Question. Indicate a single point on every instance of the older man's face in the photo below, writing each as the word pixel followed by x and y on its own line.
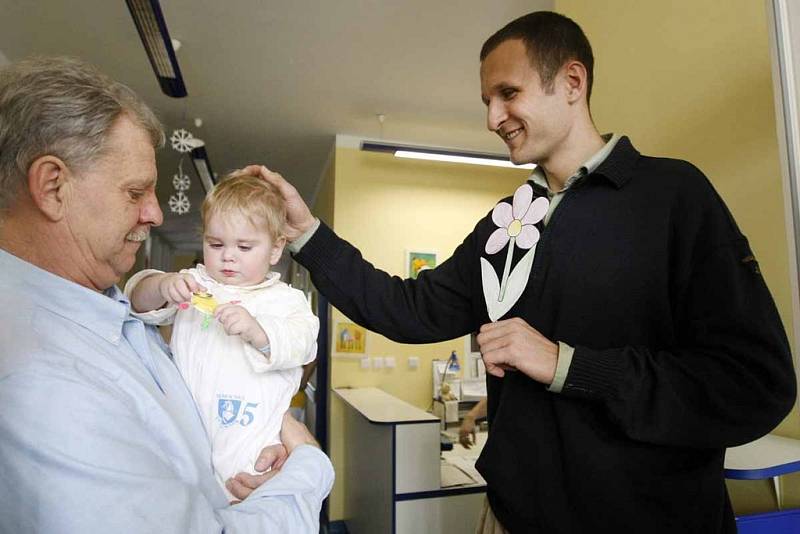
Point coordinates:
pixel 113 205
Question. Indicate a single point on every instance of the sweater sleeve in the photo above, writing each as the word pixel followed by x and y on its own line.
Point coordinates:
pixel 728 379
pixel 292 335
pixel 433 307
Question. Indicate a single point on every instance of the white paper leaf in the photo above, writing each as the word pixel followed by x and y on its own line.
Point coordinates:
pixel 491 287
pixel 517 281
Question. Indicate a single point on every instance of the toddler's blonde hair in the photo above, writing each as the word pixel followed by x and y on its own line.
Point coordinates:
pixel 254 198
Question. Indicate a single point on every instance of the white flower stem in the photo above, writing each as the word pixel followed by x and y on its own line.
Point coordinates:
pixel 507 269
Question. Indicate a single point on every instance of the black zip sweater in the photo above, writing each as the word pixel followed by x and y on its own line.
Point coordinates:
pixel 679 350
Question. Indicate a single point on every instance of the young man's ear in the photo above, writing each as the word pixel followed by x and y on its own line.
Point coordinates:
pixel 47 183
pixel 277 250
pixel 577 80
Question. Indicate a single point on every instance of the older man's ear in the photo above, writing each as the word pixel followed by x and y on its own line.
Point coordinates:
pixel 47 185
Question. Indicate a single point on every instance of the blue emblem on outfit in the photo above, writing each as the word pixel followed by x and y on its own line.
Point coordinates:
pixel 228 411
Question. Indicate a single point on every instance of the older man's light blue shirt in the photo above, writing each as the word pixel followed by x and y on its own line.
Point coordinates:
pixel 98 432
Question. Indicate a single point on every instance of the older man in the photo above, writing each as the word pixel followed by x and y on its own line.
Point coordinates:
pixel 98 431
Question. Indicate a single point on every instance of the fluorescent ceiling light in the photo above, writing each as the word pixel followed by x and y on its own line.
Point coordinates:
pixel 444 154
pixel 471 160
pixel 153 31
pixel 203 168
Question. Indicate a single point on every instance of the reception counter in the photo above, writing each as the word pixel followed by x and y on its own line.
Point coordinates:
pixel 394 470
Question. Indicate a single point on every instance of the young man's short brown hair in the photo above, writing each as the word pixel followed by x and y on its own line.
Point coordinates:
pixel 551 40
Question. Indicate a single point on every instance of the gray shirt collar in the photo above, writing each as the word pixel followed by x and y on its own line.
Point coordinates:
pixel 589 166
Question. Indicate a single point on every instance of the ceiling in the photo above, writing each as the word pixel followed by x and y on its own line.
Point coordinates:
pixel 274 82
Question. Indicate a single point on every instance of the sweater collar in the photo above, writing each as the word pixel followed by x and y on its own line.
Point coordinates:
pixel 615 162
pixel 539 179
pixel 618 167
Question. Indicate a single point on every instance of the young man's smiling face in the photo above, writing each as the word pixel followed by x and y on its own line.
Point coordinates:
pixel 532 121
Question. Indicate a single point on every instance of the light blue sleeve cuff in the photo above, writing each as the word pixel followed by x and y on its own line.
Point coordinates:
pixel 295 246
pixel 565 353
pixel 307 477
pixel 288 503
pixel 266 350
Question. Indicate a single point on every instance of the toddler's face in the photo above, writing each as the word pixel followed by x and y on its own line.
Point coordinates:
pixel 237 252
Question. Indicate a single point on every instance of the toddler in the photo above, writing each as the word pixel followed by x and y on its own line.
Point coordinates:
pixel 240 335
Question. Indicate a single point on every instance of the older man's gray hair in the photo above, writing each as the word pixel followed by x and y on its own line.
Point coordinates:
pixel 61 107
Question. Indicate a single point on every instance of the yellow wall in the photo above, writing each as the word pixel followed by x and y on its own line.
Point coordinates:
pixel 691 79
pixel 384 205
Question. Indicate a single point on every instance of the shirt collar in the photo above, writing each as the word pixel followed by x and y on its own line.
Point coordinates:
pixel 271 279
pixel 589 166
pixel 101 313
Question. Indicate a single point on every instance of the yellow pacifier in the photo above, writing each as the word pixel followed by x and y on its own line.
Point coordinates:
pixel 206 304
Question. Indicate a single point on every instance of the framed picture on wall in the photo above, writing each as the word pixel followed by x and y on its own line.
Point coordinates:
pixel 418 261
pixel 350 338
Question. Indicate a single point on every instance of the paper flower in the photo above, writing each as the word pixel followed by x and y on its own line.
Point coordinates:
pixel 517 222
pixel 516 226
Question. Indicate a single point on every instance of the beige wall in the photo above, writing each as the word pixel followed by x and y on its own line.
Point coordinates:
pixel 325 195
pixel 184 261
pixel 384 205
pixel 691 79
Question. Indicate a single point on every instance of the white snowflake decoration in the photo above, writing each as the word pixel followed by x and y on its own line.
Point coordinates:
pixel 182 141
pixel 179 203
pixel 181 182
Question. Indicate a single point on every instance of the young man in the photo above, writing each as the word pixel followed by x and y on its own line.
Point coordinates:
pixel 99 432
pixel 627 349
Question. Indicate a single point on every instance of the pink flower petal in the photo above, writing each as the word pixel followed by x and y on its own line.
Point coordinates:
pixel 497 240
pixel 501 214
pixel 537 211
pixel 527 237
pixel 522 200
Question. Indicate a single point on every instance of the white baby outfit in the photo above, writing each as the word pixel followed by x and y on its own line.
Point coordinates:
pixel 241 393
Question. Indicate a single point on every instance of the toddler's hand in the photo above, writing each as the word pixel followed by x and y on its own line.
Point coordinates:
pixel 237 321
pixel 177 288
